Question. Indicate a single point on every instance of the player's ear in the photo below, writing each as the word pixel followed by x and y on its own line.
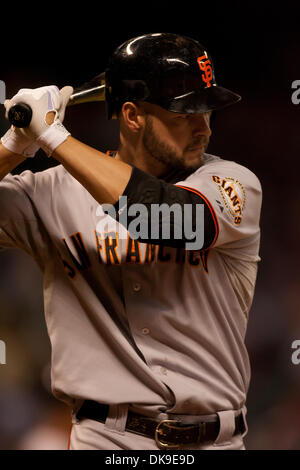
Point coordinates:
pixel 133 116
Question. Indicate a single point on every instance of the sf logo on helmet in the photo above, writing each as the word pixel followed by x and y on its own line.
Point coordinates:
pixel 205 65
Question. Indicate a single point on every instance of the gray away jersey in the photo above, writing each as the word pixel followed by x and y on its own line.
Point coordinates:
pixel 156 327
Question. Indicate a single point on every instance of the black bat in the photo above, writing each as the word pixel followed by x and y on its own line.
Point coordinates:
pixel 20 114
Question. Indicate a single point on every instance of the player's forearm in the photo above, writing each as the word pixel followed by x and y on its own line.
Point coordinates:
pixel 8 161
pixel 103 177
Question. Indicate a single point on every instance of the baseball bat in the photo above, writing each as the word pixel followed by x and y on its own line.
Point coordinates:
pixel 20 114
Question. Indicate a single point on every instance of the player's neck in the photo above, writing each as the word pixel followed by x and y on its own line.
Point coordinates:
pixel 138 157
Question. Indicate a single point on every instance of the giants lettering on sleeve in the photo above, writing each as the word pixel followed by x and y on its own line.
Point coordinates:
pixel 233 197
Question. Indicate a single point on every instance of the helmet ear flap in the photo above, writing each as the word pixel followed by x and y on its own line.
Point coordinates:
pixel 125 90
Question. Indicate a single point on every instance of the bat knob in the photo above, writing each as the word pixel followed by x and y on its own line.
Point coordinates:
pixel 20 115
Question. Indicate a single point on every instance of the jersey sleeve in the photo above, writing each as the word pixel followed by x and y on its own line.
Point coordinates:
pixel 234 194
pixel 20 226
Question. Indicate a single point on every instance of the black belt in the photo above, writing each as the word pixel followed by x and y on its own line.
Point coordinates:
pixel 167 433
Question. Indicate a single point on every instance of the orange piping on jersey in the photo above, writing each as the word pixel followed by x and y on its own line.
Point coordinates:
pixel 69 443
pixel 110 153
pixel 204 258
pixel 212 211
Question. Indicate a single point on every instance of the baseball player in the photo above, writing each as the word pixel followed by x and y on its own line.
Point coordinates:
pixel 147 327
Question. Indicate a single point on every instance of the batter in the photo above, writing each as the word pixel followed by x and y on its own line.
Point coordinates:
pixel 147 336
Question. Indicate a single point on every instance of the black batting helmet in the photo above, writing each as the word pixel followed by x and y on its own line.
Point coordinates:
pixel 172 71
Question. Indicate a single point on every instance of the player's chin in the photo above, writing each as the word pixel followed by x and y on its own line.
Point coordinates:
pixel 194 157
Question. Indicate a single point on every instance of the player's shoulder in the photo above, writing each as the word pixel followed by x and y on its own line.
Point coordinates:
pixel 226 169
pixel 54 174
pixel 45 181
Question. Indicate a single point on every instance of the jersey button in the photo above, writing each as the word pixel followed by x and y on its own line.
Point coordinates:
pixel 137 287
pixel 145 331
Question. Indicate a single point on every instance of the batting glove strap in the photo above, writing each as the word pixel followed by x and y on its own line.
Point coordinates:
pixel 55 135
pixel 16 142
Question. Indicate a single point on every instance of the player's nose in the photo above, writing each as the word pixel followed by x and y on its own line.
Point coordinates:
pixel 201 124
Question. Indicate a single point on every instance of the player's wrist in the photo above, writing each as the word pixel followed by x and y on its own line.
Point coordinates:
pixel 52 137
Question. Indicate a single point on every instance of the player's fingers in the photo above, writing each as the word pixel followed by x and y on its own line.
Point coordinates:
pixel 6 106
pixel 65 93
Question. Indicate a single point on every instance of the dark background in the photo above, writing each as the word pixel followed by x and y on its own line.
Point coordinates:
pixel 256 50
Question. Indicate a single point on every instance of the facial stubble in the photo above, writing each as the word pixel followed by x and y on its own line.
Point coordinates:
pixel 168 155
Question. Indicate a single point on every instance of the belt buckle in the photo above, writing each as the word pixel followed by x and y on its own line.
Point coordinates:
pixel 159 431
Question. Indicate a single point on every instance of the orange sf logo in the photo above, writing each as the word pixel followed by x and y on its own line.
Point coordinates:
pixel 205 65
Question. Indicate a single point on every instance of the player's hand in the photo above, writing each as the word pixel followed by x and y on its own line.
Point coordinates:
pixel 65 94
pixel 16 141
pixel 42 101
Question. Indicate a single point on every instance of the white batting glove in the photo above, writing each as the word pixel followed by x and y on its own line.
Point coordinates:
pixel 15 141
pixel 41 100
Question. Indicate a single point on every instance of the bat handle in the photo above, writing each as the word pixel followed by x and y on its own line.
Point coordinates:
pixel 20 115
